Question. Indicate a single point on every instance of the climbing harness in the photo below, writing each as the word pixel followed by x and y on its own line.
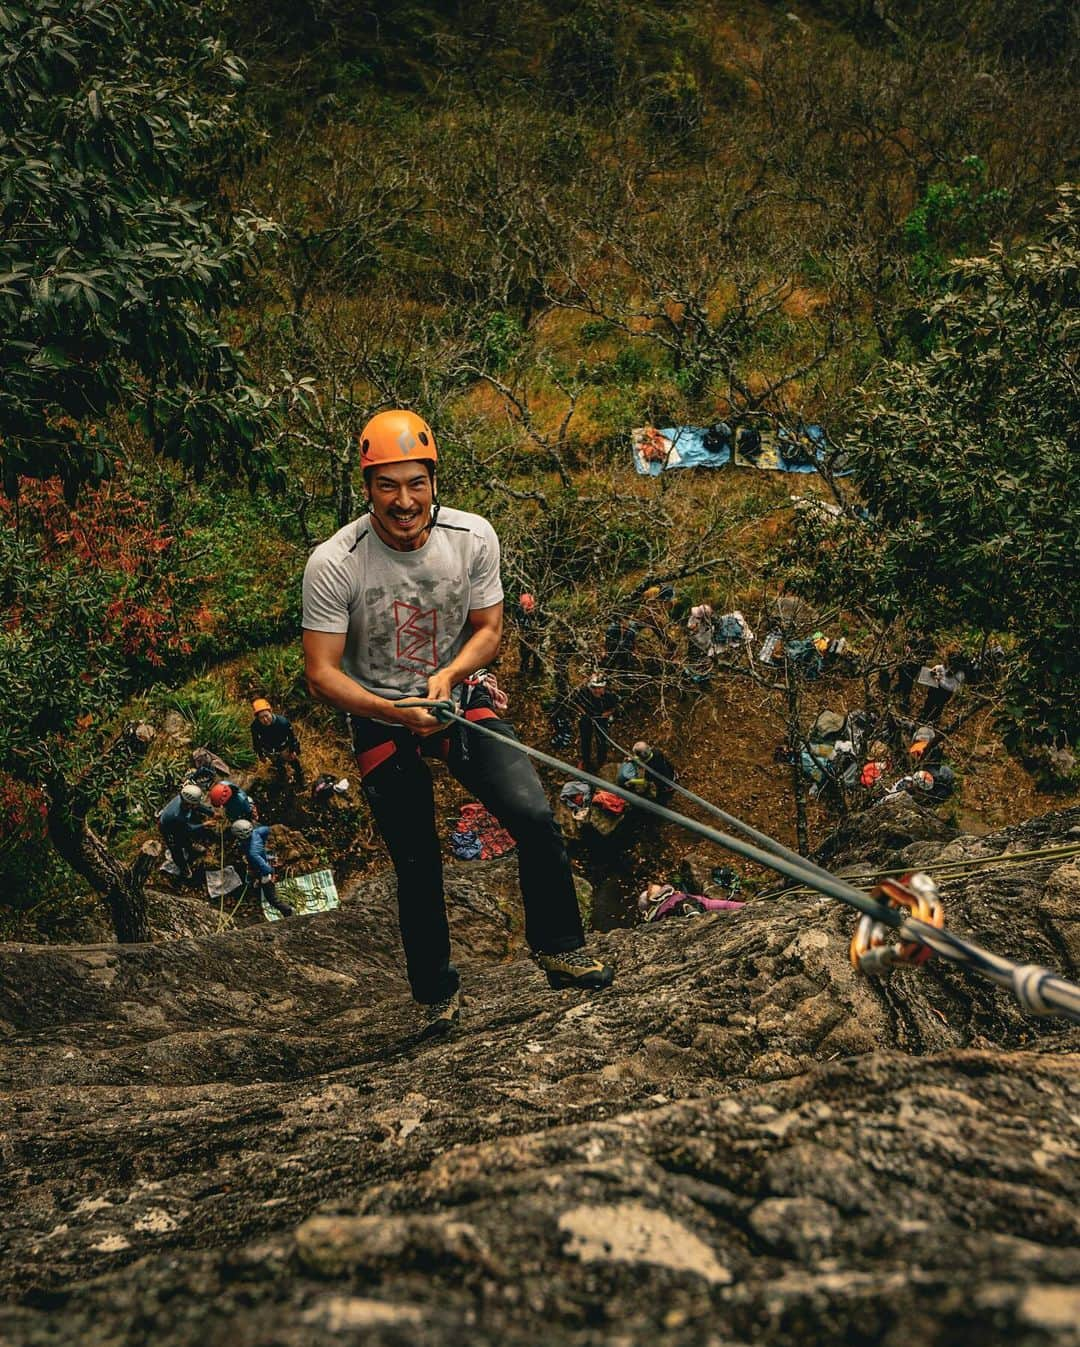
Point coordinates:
pixel 1039 991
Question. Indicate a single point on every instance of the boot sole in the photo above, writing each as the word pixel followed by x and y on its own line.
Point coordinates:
pixel 441 1028
pixel 590 982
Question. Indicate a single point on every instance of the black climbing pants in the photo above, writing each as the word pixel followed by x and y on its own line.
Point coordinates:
pixel 593 743
pixel 397 785
pixel 287 760
pixel 181 843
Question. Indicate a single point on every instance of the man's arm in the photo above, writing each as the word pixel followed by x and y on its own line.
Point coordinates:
pixel 327 682
pixel 480 649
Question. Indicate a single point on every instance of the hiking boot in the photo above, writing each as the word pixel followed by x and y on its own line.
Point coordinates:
pixel 444 1015
pixel 575 968
pixel 286 909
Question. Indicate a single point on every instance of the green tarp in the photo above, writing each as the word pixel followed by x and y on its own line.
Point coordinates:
pixel 305 894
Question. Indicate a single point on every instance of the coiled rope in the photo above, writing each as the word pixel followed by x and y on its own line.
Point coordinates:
pixel 1039 991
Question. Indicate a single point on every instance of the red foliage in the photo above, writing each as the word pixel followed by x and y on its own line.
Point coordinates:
pixel 23 811
pixel 113 535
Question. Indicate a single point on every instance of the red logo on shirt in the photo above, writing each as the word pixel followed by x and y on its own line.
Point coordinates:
pixel 416 632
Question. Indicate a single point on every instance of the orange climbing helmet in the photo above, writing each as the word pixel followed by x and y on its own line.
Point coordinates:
pixel 396 437
pixel 261 704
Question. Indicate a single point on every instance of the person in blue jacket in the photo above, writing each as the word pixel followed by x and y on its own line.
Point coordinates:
pixel 236 803
pixel 255 842
pixel 183 826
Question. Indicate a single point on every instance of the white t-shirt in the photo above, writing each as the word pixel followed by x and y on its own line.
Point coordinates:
pixel 405 613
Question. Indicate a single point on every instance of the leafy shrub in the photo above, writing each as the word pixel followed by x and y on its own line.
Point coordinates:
pixel 276 672
pixel 583 64
pixel 672 104
pixel 502 338
pixel 630 365
pixel 100 575
pixel 109 113
pixel 594 330
pixel 967 460
pixel 951 219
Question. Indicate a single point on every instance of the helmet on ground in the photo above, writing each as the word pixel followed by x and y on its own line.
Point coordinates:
pixel 242 828
pixel 260 704
pixel 191 793
pixel 396 437
pixel 220 794
pixel 598 682
pixel 528 603
pixel 924 780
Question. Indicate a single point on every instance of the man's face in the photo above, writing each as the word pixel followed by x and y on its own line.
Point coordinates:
pixel 265 717
pixel 401 496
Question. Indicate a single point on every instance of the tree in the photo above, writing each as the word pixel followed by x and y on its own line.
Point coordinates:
pixel 969 461
pixel 110 273
pixel 92 603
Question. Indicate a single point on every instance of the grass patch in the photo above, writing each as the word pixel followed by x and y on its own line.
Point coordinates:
pixel 217 722
pixel 276 672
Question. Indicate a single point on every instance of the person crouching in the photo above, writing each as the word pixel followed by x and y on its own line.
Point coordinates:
pixel 255 843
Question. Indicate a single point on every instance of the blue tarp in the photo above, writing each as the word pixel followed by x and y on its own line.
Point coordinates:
pixel 684 447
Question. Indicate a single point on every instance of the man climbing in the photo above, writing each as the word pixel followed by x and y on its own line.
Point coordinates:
pixel 255 846
pixel 234 802
pixel 274 740
pixel 407 602
pixel 183 826
pixel 596 706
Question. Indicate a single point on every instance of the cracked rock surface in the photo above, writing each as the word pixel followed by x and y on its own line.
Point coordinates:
pixel 243 1139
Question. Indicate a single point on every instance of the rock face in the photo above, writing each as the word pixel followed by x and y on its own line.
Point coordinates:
pixel 243 1138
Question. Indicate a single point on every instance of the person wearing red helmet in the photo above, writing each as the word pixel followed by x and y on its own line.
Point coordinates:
pixel 234 802
pixel 407 602
pixel 528 624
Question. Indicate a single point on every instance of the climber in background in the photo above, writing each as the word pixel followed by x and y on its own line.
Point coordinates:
pixel 596 706
pixel 232 801
pixel 254 842
pixel 183 826
pixel 274 740
pixel 641 773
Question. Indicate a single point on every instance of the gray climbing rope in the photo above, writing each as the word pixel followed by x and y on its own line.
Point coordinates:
pixel 1039 991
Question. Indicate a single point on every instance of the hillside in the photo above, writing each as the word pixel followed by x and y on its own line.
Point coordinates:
pixel 752 331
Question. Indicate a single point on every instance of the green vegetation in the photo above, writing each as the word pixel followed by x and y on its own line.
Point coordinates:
pixel 539 225
pixel 970 465
pixel 214 718
pixel 110 267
